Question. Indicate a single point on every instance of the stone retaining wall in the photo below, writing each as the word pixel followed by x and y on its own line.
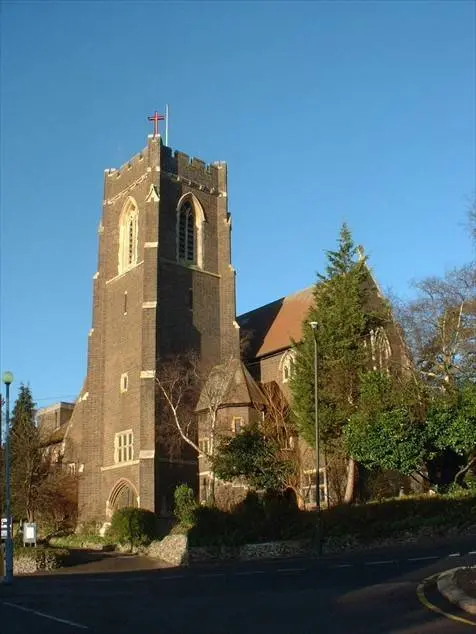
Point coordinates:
pixel 174 550
pixel 23 565
pixel 274 550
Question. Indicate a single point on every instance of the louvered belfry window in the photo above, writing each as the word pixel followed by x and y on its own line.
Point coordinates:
pixel 131 242
pixel 186 239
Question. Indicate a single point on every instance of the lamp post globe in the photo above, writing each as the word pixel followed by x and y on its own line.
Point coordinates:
pixel 7 377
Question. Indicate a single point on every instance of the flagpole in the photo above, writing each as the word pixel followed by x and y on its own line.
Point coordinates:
pixel 167 124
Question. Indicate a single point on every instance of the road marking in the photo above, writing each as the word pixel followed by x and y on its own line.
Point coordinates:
pixel 341 566
pixel 434 608
pixel 422 558
pixel 173 577
pixel 472 552
pixel 291 569
pixel 213 574
pixel 250 572
pixel 46 616
pixel 455 555
pixel 381 563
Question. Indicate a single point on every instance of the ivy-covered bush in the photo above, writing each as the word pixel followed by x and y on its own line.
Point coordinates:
pixel 132 526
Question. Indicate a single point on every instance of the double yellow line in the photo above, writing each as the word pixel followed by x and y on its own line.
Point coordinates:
pixel 434 608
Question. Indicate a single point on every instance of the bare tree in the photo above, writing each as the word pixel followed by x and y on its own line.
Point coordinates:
pixel 472 221
pixel 278 425
pixel 440 325
pixel 178 382
pixel 193 394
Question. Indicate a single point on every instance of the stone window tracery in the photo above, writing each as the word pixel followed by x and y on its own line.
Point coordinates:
pixel 128 236
pixel 190 223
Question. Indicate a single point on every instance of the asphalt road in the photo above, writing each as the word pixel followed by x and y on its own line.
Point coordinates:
pixel 372 593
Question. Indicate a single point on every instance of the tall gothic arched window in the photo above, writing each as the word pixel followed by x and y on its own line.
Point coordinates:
pixel 190 230
pixel 380 349
pixel 186 233
pixel 286 365
pixel 128 234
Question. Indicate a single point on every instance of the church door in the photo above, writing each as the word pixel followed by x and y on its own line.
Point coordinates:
pixel 123 495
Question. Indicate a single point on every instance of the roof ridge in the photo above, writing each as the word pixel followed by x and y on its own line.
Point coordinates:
pixel 279 299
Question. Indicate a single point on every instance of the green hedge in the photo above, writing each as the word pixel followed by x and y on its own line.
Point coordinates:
pixel 403 515
pixel 133 526
pixel 272 517
pixel 257 520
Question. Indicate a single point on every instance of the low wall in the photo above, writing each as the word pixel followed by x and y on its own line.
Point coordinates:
pixel 29 560
pixel 174 549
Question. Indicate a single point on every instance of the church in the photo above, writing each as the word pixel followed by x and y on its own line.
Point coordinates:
pixel 164 286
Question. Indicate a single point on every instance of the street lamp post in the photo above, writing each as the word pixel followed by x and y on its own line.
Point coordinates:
pixel 313 325
pixel 8 380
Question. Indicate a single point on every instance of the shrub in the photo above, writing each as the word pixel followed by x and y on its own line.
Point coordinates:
pixel 185 505
pixel 212 527
pixel 274 516
pixel 133 526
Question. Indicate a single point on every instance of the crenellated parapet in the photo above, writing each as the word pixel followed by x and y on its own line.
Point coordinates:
pixel 209 177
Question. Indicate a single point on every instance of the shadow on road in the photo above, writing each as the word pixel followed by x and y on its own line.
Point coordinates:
pixel 120 593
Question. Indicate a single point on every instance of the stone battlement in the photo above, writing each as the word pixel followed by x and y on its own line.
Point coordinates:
pixel 211 175
pixel 125 167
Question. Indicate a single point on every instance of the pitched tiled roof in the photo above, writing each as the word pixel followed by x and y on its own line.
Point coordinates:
pixel 274 326
pixel 232 384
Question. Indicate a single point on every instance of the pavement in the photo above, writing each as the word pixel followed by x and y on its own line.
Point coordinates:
pixel 390 590
pixel 448 586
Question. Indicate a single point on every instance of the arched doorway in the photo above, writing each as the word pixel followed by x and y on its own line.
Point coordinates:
pixel 122 495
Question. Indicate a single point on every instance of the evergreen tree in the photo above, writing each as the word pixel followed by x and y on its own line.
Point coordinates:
pixel 27 469
pixel 24 409
pixel 346 312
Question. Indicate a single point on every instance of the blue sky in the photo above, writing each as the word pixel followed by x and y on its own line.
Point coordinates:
pixel 324 111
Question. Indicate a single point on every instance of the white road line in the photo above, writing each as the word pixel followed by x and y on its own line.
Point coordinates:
pixel 291 569
pixel 250 572
pixel 455 555
pixel 342 566
pixel 380 563
pixel 472 552
pixel 46 616
pixel 422 558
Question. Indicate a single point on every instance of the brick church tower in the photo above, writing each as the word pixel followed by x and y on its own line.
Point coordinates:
pixel 164 285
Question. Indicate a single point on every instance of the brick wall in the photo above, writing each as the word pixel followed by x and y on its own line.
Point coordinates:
pixel 54 417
